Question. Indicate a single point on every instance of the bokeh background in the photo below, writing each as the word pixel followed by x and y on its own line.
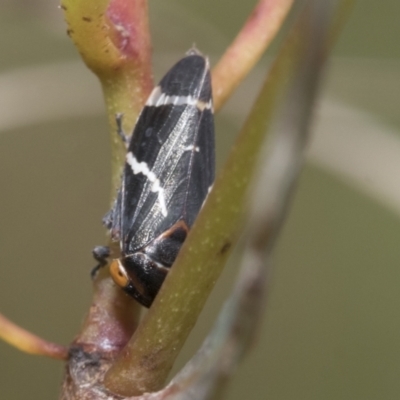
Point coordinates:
pixel 331 326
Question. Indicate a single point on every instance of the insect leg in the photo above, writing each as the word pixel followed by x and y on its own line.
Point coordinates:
pixel 112 220
pixel 100 254
pixel 125 138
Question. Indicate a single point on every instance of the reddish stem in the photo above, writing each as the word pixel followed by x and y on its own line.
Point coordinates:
pixel 247 48
pixel 28 342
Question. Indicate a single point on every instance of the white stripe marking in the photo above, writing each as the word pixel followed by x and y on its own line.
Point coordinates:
pixel 191 148
pixel 157 98
pixel 154 95
pixel 142 168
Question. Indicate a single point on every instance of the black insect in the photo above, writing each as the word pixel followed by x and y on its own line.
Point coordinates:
pixel 168 173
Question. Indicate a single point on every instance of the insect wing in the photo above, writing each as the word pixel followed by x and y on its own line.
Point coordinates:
pixel 170 160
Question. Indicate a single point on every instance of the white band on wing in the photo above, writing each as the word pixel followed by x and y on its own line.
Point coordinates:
pixel 143 168
pixel 157 99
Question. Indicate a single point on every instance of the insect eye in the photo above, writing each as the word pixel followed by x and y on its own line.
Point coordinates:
pixel 119 274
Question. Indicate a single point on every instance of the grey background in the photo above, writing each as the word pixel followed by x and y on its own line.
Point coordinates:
pixel 331 327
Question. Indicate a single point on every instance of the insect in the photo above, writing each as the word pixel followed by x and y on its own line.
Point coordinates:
pixel 169 170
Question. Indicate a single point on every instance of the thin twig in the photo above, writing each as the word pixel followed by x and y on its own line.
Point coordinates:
pixel 247 48
pixel 29 342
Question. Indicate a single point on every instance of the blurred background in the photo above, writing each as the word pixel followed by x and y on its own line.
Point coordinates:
pixel 331 326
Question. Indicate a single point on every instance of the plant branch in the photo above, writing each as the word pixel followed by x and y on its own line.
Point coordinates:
pixel 280 162
pixel 28 342
pixel 113 39
pixel 124 70
pixel 247 48
pixel 112 318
